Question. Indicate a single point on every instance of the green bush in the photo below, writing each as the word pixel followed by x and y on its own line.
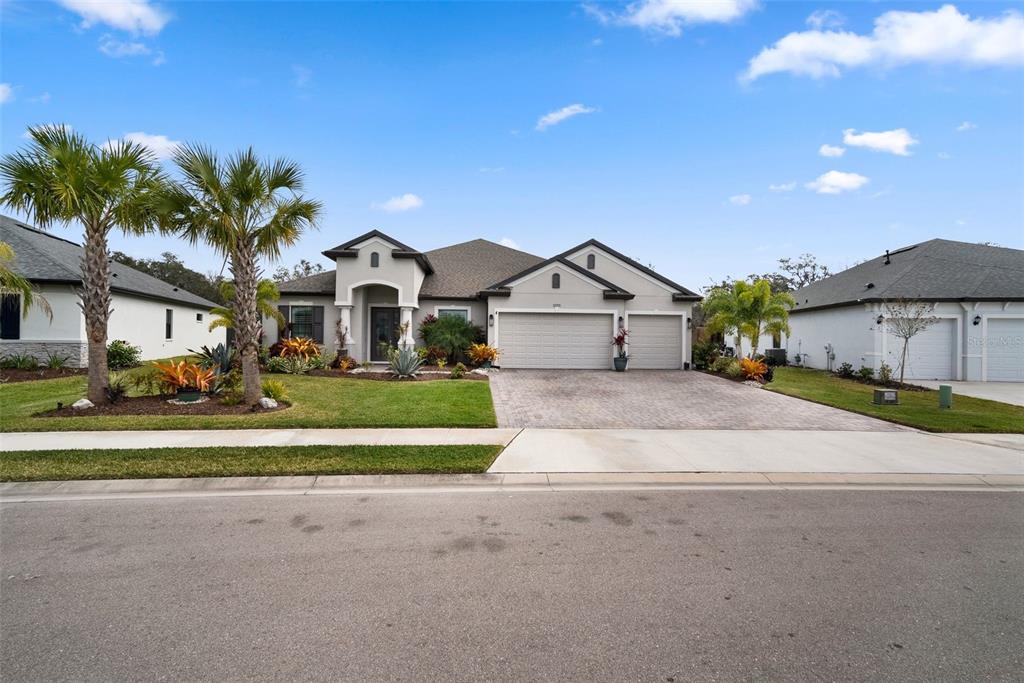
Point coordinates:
pixel 704 354
pixel 274 388
pixel 55 361
pixel 734 369
pixel 845 370
pixel 866 374
pixel 117 387
pixel 884 373
pixel 458 371
pixel 722 363
pixel 19 361
pixel 451 335
pixel 121 355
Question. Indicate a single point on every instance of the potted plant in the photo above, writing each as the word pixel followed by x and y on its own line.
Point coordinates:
pixel 619 342
pixel 483 355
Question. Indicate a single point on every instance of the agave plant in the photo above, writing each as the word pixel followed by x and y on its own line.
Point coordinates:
pixel 404 362
pixel 220 358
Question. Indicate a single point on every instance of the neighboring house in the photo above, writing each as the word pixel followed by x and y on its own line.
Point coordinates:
pixel 559 312
pixel 160 318
pixel 978 296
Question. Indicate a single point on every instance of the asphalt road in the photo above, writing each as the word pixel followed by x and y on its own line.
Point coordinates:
pixel 607 586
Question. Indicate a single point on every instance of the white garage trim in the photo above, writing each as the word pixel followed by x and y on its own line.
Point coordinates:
pixel 613 314
pixel 682 328
pixel 984 338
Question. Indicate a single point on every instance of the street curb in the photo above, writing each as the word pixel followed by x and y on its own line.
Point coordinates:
pixel 53 491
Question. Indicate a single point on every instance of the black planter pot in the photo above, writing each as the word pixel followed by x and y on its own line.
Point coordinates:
pixel 620 363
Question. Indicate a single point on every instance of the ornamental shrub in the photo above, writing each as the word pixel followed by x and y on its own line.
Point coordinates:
pixel 121 355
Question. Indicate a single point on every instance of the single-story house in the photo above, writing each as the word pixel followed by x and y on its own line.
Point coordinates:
pixel 977 294
pixel 559 312
pixel 161 319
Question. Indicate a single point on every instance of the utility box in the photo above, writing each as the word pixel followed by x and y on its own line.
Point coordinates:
pixel 945 395
pixel 886 397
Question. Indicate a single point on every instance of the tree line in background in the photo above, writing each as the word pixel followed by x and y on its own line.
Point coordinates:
pixel 244 208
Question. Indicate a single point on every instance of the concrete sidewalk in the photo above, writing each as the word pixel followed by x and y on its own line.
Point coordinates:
pixel 196 438
pixel 626 450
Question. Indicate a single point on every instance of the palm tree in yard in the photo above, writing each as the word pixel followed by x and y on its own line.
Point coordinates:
pixel 764 312
pixel 62 178
pixel 724 311
pixel 12 283
pixel 247 209
pixel 266 294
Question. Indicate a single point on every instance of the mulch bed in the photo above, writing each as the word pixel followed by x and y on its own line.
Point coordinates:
pixel 157 405
pixel 11 376
pixel 388 377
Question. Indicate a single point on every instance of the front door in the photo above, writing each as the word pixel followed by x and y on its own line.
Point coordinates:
pixel 383 330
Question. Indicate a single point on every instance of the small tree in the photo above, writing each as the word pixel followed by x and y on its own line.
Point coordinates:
pixel 905 319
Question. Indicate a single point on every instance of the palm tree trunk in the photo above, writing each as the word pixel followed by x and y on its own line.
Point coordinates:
pixel 95 297
pixel 247 325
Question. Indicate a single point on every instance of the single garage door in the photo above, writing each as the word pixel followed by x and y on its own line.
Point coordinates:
pixel 931 354
pixel 1004 350
pixel 555 340
pixel 656 342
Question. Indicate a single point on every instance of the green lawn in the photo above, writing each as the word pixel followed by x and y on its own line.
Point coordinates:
pixel 151 463
pixel 317 402
pixel 918 409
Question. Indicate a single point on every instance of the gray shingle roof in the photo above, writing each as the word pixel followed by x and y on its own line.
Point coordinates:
pixel 321 283
pixel 42 257
pixel 936 270
pixel 462 270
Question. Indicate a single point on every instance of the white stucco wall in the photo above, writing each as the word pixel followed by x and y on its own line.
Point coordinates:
pixel 141 322
pixel 859 340
pixel 61 335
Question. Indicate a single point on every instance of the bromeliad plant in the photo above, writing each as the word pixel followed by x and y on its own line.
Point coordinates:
pixel 183 376
pixel 301 347
pixel 753 369
pixel 482 354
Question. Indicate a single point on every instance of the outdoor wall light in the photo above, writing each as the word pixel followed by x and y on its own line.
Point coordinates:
pixel 689 323
pixel 622 323
pixel 490 320
pixel 977 320
pixel 880 319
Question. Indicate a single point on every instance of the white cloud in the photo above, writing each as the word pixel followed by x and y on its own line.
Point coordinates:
pixel 301 75
pixel 783 187
pixel 6 93
pixel 669 16
pixel 966 126
pixel 557 116
pixel 112 47
pixel 825 18
pixel 831 151
pixel 892 141
pixel 135 16
pixel 508 242
pixel 943 36
pixel 740 199
pixel 160 145
pixel 405 202
pixel 835 182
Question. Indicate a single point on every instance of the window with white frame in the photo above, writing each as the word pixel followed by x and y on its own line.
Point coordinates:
pixel 460 313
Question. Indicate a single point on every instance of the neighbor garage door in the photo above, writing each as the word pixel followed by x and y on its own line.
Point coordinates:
pixel 655 342
pixel 555 340
pixel 931 354
pixel 1004 350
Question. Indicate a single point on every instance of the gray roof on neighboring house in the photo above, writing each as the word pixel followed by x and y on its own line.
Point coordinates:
pixel 936 270
pixel 45 258
pixel 460 271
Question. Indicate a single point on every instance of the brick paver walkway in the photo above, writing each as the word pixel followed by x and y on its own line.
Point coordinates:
pixel 656 399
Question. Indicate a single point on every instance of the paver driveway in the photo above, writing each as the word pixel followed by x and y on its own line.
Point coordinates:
pixel 656 399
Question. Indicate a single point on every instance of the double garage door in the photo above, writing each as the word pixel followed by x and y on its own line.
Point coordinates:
pixel 583 340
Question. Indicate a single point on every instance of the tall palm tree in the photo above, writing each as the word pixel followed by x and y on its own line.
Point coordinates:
pixel 763 311
pixel 246 209
pixel 60 178
pixel 12 283
pixel 724 311
pixel 266 294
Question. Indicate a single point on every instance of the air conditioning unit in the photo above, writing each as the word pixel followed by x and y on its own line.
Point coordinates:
pixel 775 356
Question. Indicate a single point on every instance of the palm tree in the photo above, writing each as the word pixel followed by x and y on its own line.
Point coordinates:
pixel 246 209
pixel 12 283
pixel 266 294
pixel 763 311
pixel 724 311
pixel 62 178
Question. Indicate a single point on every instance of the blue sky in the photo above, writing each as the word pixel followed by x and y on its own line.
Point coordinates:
pixel 672 136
